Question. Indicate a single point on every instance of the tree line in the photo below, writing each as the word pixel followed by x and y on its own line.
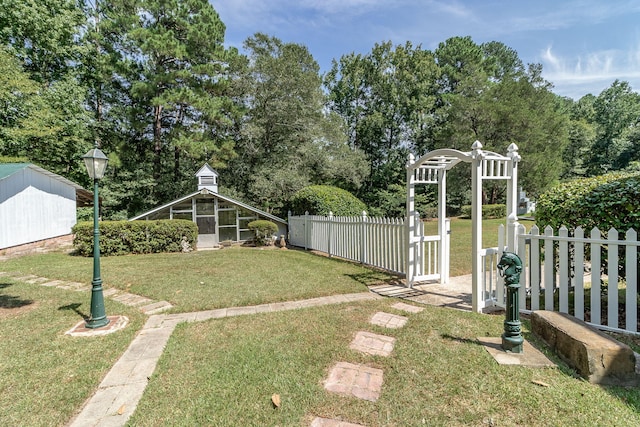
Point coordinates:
pixel 151 82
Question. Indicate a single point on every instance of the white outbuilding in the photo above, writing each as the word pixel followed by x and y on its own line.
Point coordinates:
pixel 36 204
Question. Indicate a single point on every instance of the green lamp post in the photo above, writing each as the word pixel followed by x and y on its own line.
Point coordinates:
pixel 96 163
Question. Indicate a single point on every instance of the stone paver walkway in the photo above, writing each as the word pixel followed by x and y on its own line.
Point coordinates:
pixel 121 389
pixel 146 305
pixel 119 393
pixel 360 380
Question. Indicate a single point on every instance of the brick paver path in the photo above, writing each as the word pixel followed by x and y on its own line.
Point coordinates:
pixel 388 320
pixel 146 305
pixel 360 381
pixel 407 307
pixel 370 343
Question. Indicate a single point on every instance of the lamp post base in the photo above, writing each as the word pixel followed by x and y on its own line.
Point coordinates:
pixel 97 323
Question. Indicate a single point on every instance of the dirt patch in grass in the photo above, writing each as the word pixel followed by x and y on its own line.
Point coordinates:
pixel 15 311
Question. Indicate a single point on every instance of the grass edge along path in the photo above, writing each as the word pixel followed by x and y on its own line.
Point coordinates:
pixel 223 372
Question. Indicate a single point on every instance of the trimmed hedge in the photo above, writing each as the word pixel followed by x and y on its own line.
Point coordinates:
pixel 488 211
pixel 135 237
pixel 605 201
pixel 262 231
pixel 322 199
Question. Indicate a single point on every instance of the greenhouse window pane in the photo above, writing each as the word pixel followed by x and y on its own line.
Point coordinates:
pixel 228 233
pixel 227 217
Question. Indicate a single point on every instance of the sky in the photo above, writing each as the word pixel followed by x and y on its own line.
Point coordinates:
pixel 583 45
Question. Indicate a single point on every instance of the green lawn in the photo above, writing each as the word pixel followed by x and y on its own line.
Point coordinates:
pixel 461 236
pixel 45 375
pixel 223 372
pixel 211 279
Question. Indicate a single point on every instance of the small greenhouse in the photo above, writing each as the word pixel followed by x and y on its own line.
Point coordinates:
pixel 219 218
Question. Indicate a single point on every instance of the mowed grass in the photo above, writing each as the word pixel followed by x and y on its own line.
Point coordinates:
pixel 461 238
pixel 205 280
pixel 224 372
pixel 45 375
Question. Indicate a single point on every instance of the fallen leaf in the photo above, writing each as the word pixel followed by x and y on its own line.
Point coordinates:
pixel 275 399
pixel 121 410
pixel 540 383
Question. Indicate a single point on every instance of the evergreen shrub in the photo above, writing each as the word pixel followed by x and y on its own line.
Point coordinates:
pixel 263 230
pixel 135 237
pixel 488 211
pixel 322 199
pixel 605 201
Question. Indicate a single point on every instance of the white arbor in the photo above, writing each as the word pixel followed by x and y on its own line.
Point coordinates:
pixel 432 169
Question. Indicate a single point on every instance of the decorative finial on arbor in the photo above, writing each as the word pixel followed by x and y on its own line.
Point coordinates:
pixel 512 152
pixel 476 150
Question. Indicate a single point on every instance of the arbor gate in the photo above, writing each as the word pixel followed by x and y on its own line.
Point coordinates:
pixel 432 169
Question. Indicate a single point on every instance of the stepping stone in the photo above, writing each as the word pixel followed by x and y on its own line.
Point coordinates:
pixel 360 381
pixel 25 278
pixel 156 307
pixel 52 283
pixel 387 320
pixel 328 422
pixel 37 280
pixel 407 307
pixel 74 286
pixel 131 299
pixel 370 343
pixel 109 292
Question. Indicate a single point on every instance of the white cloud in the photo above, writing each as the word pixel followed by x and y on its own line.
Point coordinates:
pixel 593 71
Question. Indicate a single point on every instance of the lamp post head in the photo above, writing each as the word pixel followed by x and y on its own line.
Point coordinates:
pixel 96 163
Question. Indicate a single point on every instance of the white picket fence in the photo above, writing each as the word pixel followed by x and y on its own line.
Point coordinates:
pixel 379 242
pixel 562 273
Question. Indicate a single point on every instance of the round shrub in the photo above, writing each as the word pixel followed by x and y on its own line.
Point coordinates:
pixel 262 231
pixel 322 199
pixel 605 201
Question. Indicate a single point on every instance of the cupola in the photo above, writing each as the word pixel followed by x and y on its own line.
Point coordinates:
pixel 207 178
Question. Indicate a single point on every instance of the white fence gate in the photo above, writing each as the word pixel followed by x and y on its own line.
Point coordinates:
pixel 562 272
pixel 378 242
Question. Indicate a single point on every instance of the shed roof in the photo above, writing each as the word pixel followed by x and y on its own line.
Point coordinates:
pixel 8 169
pixel 204 191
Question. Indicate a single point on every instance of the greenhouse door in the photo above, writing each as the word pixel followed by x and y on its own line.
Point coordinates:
pixel 206 221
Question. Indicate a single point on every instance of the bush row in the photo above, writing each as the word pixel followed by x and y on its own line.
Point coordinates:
pixel 488 211
pixel 135 237
pixel 605 201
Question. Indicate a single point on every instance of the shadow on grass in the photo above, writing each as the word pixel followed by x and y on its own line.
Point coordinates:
pixel 373 278
pixel 461 340
pixel 75 307
pixel 11 301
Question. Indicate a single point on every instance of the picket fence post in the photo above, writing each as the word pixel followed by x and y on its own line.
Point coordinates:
pixel 612 270
pixel 631 304
pixel 595 277
pixel 363 239
pixel 307 232
pixel 578 271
